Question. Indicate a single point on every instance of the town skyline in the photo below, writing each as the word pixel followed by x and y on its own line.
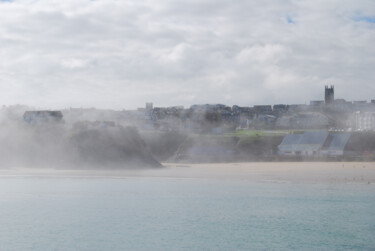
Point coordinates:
pixel 314 102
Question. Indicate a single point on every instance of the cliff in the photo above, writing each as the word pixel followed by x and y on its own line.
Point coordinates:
pixel 55 146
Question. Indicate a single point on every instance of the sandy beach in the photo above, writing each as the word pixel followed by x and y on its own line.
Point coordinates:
pixel 300 172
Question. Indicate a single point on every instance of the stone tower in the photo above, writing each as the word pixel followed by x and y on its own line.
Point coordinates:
pixel 329 94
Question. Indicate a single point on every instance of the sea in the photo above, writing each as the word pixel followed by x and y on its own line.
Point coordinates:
pixel 156 213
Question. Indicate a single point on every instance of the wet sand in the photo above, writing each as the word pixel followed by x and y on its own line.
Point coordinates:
pixel 300 172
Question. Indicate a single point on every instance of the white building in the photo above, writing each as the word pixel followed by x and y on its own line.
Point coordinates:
pixel 364 121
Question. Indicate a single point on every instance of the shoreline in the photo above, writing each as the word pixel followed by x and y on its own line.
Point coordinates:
pixel 294 172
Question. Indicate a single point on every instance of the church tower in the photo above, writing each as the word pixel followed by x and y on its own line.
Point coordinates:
pixel 329 94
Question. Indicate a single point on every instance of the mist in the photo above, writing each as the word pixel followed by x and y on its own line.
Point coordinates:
pixel 77 138
pixel 82 145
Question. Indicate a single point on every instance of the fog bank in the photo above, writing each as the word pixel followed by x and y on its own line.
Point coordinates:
pixel 84 145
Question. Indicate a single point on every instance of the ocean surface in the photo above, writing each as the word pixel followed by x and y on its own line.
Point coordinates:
pixel 47 213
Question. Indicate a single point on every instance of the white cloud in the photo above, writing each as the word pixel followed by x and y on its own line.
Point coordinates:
pixel 73 63
pixel 120 54
pixel 267 54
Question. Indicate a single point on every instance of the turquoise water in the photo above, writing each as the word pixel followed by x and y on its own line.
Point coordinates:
pixel 183 214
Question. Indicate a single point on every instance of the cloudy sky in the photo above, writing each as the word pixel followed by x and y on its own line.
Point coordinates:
pixel 120 54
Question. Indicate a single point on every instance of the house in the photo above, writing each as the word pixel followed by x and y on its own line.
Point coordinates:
pixel 305 144
pixel 280 109
pixel 364 121
pixel 288 145
pixel 314 143
pixel 262 109
pixel 335 144
pixel 303 120
pixel 43 117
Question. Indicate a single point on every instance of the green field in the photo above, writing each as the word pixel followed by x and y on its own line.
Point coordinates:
pixel 257 133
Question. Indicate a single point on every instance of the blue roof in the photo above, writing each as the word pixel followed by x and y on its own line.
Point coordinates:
pixel 308 141
pixel 337 141
pixel 314 141
pixel 314 138
pixel 307 138
pixel 291 139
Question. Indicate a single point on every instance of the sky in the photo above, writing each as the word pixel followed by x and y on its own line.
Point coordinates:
pixel 119 54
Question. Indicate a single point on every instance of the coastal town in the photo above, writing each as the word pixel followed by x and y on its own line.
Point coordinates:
pixel 329 129
pixel 330 113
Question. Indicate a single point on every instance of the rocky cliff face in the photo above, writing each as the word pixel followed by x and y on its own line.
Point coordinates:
pixel 163 145
pixel 117 147
pixel 58 147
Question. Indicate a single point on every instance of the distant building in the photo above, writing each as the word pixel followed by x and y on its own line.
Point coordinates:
pixel 318 143
pixel 364 121
pixel 266 119
pixel 149 115
pixel 303 120
pixel 329 94
pixel 263 108
pixel 335 144
pixel 43 117
pixel 280 108
pixel 319 114
pixel 242 110
pixel 341 105
pixel 210 107
pixel 298 108
pixel 305 144
pixel 359 102
pixel 149 106
pixel 317 103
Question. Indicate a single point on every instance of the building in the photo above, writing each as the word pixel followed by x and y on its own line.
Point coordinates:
pixel 341 105
pixel 149 106
pixel 317 103
pixel 305 144
pixel 315 143
pixel 303 120
pixel 329 94
pixel 43 117
pixel 335 144
pixel 280 108
pixel 298 108
pixel 364 121
pixel 263 109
